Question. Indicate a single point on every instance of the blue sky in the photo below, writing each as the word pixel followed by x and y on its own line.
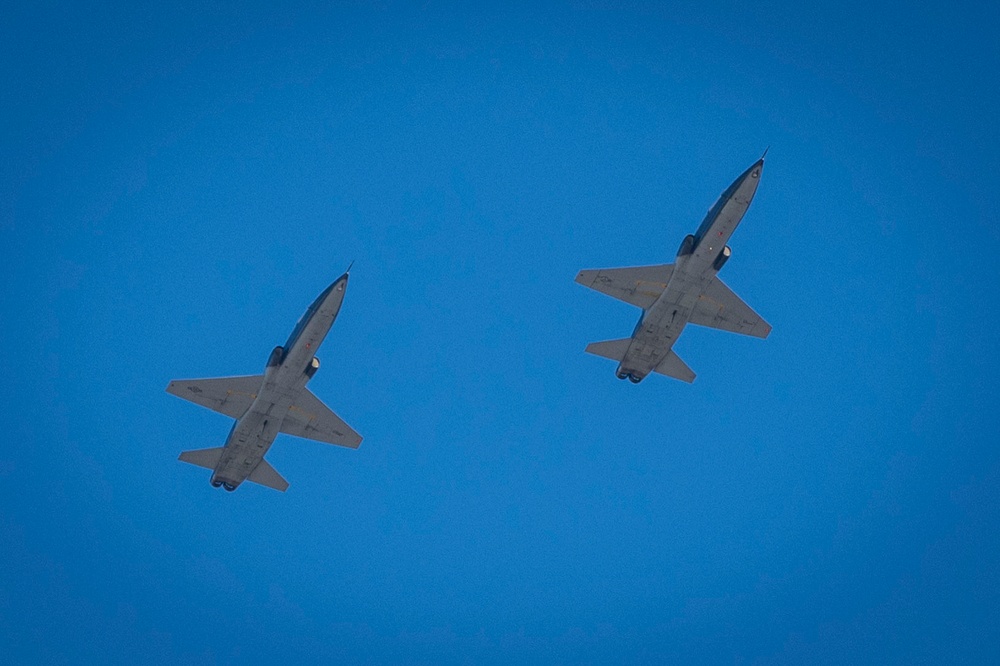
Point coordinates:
pixel 179 183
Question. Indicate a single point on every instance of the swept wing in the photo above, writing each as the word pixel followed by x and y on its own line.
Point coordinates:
pixel 311 419
pixel 231 396
pixel 720 308
pixel 637 285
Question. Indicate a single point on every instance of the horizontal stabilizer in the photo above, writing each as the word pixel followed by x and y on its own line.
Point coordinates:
pixel 613 349
pixel 637 285
pixel 311 419
pixel 266 475
pixel 673 366
pixel 719 307
pixel 231 396
pixel 207 458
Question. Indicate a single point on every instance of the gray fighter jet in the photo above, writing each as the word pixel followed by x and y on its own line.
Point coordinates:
pixel 686 292
pixel 265 405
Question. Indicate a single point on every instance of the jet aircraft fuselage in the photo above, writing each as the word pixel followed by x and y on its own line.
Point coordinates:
pixel 277 401
pixel 688 291
pixel 288 370
pixel 699 260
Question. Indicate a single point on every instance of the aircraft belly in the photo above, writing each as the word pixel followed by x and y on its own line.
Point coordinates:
pixel 250 441
pixel 652 344
pixel 661 325
pixel 724 226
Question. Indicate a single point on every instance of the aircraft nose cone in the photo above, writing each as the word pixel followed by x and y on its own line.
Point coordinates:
pixel 743 188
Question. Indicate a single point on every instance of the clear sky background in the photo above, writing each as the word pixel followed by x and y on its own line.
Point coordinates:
pixel 179 183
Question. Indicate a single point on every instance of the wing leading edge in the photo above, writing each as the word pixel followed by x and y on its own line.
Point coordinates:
pixel 637 285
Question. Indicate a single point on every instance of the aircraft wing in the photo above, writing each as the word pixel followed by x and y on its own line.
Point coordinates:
pixel 637 285
pixel 231 396
pixel 720 308
pixel 311 419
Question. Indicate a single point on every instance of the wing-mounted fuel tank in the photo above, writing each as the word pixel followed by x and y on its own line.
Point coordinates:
pixel 722 259
pixel 312 367
pixel 687 246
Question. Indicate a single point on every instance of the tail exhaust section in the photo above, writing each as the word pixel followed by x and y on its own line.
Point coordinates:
pixel 671 365
pixel 262 474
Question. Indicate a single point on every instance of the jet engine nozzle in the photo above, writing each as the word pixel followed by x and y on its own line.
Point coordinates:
pixel 312 367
